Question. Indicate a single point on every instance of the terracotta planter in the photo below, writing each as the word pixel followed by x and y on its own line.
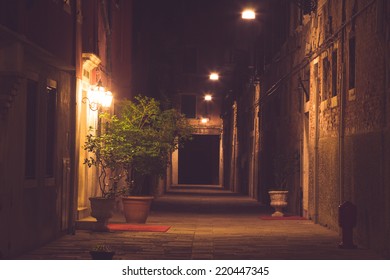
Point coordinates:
pixel 136 208
pixel 278 202
pixel 101 210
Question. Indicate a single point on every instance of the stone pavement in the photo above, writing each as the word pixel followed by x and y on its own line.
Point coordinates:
pixel 209 227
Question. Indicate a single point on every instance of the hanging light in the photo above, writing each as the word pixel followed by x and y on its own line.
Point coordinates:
pixel 107 99
pixel 214 76
pixel 248 14
pixel 208 97
pixel 98 97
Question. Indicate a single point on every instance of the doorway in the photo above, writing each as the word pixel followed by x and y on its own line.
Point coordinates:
pixel 199 161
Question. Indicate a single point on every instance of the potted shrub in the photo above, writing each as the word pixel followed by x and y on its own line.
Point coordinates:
pixel 284 166
pixel 103 156
pixel 145 136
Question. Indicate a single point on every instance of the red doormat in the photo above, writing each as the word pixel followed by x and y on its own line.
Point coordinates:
pixel 286 217
pixel 138 227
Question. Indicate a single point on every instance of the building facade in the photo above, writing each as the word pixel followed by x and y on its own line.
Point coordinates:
pixel 37 124
pixel 105 41
pixel 50 52
pixel 325 98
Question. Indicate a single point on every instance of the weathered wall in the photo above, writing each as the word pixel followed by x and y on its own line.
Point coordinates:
pixel 364 180
pixel 348 143
pixel 328 176
pixel 43 41
pixel 37 45
pixel 365 125
pixel 38 207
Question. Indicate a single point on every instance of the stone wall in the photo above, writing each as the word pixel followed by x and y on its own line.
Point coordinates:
pixel 348 140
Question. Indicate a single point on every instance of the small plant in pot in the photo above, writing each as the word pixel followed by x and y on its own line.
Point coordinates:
pixel 284 166
pixel 102 252
pixel 147 135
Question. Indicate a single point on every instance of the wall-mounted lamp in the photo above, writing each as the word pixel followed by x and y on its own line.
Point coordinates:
pixel 204 120
pixel 98 97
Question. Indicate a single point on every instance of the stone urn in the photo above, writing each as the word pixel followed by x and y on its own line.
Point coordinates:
pixel 278 202
pixel 102 210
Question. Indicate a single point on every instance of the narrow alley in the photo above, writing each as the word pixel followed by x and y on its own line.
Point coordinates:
pixel 246 125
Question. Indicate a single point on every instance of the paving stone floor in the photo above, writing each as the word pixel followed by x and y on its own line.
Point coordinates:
pixel 209 227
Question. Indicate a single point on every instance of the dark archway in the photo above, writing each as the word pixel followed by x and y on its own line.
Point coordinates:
pixel 199 161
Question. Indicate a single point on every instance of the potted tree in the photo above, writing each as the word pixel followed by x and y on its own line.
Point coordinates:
pixel 284 166
pixel 145 136
pixel 104 155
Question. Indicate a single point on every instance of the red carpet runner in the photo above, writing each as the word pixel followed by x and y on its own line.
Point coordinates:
pixel 270 218
pixel 138 227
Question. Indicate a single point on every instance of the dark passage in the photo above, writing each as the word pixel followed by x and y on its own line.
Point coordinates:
pixel 199 161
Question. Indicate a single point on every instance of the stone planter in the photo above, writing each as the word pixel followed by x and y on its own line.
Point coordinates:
pixel 278 202
pixel 102 210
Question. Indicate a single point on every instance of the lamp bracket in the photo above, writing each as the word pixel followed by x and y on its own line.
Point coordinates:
pixel 93 106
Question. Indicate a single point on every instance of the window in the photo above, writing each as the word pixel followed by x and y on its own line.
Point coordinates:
pixel 188 106
pixel 51 104
pixel 334 72
pixel 314 80
pixel 304 83
pixel 352 62
pixel 86 73
pixel 41 130
pixel 325 79
pixel 31 130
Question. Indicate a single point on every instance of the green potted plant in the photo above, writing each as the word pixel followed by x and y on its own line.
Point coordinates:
pixel 145 135
pixel 284 166
pixel 102 154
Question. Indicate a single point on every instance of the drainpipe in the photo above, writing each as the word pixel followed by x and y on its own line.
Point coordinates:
pixel 386 127
pixel 341 111
pixel 316 143
pixel 107 27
